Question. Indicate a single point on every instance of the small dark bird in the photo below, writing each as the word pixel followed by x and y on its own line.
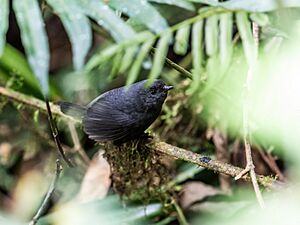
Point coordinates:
pixel 121 114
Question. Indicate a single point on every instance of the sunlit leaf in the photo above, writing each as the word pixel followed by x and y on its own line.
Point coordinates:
pixel 252 5
pixel 8 61
pixel 225 40
pixel 116 65
pixel 261 19
pixel 3 23
pixel 107 18
pixel 103 56
pixel 128 58
pixel 107 211
pixel 4 219
pixel 197 42
pixel 249 47
pixel 141 11
pixel 34 39
pixel 197 52
pixel 36 115
pixel 109 52
pixel 136 67
pixel 160 55
pixel 182 40
pixel 187 172
pixel 212 69
pixel 273 45
pixel 77 26
pixel 211 35
pixel 212 49
pixel 180 3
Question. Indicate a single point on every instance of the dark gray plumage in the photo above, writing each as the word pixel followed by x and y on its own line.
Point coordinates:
pixel 121 114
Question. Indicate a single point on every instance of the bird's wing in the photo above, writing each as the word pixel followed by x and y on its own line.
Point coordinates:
pixel 104 122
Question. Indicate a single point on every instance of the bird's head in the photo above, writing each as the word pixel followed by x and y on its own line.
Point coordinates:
pixel 156 93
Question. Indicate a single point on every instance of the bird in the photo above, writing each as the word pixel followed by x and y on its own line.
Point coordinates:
pixel 121 114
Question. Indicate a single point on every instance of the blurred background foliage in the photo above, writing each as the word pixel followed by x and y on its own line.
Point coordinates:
pixel 75 50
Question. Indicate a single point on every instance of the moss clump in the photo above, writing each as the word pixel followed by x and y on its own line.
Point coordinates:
pixel 138 172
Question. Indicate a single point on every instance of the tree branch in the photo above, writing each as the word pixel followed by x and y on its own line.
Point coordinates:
pixel 173 151
pixel 54 132
pixel 34 103
pixel 208 163
pixel 77 146
pixel 48 196
pixel 175 66
pixel 250 165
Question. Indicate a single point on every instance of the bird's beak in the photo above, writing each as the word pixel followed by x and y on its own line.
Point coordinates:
pixel 168 88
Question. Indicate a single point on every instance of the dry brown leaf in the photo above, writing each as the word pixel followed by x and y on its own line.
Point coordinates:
pixel 96 181
pixel 195 191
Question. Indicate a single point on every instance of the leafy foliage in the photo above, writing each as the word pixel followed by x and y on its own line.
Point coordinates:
pixel 77 27
pixel 213 40
pixel 3 23
pixel 74 16
pixel 34 39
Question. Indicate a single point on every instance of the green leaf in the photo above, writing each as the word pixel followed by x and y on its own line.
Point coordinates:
pixel 34 39
pixel 109 52
pixel 189 172
pixel 3 23
pixel 103 56
pixel 116 65
pixel 180 3
pixel 225 39
pixel 107 18
pixel 160 55
pixel 8 62
pixel 244 27
pixel 273 45
pixel 36 115
pixel 261 19
pixel 197 43
pixel 111 210
pixel 197 53
pixel 7 180
pixel 182 40
pixel 141 11
pixel 128 58
pixel 252 5
pixel 136 67
pixel 211 35
pixel 77 27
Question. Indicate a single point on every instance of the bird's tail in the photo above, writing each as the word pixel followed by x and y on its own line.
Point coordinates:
pixel 71 109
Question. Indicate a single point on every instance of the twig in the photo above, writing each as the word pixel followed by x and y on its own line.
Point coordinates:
pixel 208 163
pixel 48 196
pixel 175 66
pixel 270 161
pixel 250 166
pixel 168 149
pixel 34 103
pixel 77 146
pixel 50 109
pixel 181 218
pixel 54 132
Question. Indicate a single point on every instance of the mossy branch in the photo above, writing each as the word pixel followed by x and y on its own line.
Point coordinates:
pixel 208 163
pixel 173 151
pixel 34 103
